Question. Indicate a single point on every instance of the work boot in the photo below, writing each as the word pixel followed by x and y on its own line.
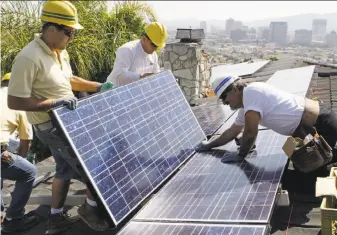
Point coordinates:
pixel 60 222
pixel 91 216
pixel 22 224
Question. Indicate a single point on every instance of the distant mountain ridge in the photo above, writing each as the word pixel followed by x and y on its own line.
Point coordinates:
pixel 302 21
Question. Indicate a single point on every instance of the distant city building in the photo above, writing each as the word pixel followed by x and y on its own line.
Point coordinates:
pixel 278 32
pixel 263 32
pixel 203 25
pixel 251 33
pixel 237 25
pixel 331 39
pixel 319 29
pixel 229 25
pixel 238 34
pixel 303 37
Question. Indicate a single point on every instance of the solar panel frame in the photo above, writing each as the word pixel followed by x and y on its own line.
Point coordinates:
pixel 190 187
pixel 141 228
pixel 211 117
pixel 72 129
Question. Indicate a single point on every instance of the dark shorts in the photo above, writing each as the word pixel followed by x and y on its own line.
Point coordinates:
pixel 67 165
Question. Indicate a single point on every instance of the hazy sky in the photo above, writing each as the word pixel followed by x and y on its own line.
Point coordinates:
pixel 240 10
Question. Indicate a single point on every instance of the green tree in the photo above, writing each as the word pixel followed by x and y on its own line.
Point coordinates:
pixel 92 51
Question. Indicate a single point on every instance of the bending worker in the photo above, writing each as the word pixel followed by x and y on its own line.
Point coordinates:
pixel 14 166
pixel 280 111
pixel 42 79
pixel 138 59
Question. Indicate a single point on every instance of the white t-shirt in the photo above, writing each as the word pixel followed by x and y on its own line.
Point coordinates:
pixel 132 61
pixel 280 111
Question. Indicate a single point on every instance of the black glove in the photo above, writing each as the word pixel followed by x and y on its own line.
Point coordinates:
pixel 230 157
pixel 70 102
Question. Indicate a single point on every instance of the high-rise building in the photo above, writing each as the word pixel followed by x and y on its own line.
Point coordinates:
pixel 303 37
pixel 331 39
pixel 278 32
pixel 229 25
pixel 203 25
pixel 318 29
pixel 237 25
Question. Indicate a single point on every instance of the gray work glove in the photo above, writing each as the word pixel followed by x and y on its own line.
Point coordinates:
pixel 70 102
pixel 230 157
pixel 203 146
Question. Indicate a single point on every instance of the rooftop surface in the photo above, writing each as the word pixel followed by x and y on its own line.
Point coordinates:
pixel 302 216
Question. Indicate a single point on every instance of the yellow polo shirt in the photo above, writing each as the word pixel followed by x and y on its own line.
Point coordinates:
pixel 37 73
pixel 12 120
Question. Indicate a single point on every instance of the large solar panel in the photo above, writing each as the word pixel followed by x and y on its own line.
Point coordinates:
pixel 141 228
pixel 211 117
pixel 130 139
pixel 206 190
pixel 295 81
pixel 241 69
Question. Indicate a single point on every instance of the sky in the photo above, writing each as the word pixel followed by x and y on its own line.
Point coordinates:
pixel 239 10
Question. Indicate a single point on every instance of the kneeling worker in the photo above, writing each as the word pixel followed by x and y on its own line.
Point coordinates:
pixel 280 111
pixel 14 166
pixel 138 59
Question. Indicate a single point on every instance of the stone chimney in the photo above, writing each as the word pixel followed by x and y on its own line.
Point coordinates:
pixel 190 66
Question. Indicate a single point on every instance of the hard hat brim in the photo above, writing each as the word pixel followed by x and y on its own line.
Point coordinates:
pixel 77 26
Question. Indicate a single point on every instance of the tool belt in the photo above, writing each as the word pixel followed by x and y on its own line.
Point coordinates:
pixel 43 126
pixel 312 155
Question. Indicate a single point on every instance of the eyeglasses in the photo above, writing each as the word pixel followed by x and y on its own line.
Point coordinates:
pixel 152 44
pixel 68 32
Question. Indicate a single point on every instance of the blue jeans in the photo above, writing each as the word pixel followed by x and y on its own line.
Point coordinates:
pixel 16 168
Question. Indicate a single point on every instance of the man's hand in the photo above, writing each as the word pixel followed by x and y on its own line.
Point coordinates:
pixel 230 157
pixel 70 102
pixel 105 86
pixel 145 75
pixel 203 146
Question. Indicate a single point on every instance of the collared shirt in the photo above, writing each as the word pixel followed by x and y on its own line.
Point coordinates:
pixel 37 73
pixel 279 111
pixel 13 120
pixel 131 61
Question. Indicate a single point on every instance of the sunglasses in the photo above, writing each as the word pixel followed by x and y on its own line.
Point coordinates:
pixel 69 33
pixel 152 44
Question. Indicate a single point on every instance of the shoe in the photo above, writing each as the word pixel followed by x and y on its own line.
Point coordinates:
pixel 91 216
pixel 16 225
pixel 60 222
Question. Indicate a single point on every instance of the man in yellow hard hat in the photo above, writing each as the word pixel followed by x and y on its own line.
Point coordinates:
pixel 138 59
pixel 14 166
pixel 42 79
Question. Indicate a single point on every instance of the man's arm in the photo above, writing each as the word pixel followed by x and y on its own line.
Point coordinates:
pixel 24 147
pixel 226 137
pixel 250 132
pixel 80 84
pixel 29 104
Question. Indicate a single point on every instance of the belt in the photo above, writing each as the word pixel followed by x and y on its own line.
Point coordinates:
pixel 43 126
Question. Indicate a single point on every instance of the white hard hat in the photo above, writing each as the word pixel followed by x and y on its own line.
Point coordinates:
pixel 220 84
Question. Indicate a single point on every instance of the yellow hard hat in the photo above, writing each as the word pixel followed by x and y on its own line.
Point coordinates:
pixel 6 77
pixel 60 12
pixel 157 33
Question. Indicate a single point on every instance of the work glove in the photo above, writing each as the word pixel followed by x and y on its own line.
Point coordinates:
pixel 202 146
pixel 231 157
pixel 70 102
pixel 106 86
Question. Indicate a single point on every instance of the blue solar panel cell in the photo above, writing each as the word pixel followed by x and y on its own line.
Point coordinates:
pixel 141 228
pixel 208 190
pixel 130 139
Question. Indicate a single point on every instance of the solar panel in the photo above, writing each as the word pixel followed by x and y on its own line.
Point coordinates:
pixel 295 81
pixel 130 139
pixel 141 228
pixel 206 190
pixel 241 69
pixel 211 117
